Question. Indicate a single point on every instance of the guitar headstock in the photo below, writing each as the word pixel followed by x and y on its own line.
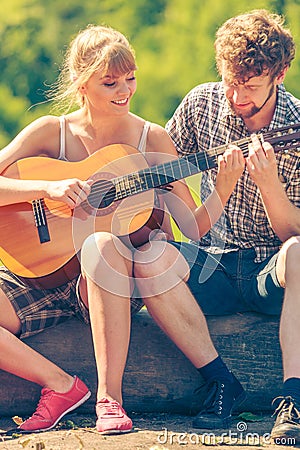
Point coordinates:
pixel 285 139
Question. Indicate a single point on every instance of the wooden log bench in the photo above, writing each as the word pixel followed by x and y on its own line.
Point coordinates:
pixel 157 373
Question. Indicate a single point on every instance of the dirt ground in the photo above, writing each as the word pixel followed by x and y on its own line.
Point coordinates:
pixel 151 432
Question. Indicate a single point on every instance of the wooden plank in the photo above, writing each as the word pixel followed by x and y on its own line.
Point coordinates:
pixel 157 373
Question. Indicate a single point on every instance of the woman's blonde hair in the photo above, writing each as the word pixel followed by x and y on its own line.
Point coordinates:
pixel 96 48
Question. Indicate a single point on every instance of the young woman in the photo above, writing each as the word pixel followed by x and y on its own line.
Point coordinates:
pixel 98 74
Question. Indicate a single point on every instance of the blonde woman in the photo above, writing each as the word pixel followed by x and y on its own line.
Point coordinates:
pixel 98 78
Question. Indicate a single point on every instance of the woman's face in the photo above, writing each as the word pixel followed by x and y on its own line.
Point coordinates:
pixel 109 94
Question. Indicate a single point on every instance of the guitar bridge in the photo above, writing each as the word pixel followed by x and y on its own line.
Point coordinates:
pixel 40 220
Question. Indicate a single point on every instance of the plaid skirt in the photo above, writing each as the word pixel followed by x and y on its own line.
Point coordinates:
pixel 39 309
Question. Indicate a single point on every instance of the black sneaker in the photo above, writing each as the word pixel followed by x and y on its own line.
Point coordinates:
pixel 222 397
pixel 286 430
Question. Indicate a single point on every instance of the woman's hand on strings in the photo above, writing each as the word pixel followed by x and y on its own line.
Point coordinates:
pixel 71 191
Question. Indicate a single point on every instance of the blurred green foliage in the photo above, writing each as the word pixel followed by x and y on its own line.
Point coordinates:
pixel 173 40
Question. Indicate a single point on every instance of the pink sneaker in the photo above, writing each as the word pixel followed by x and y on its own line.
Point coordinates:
pixel 54 405
pixel 112 418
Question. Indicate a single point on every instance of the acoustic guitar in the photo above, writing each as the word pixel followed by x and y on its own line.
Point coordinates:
pixel 40 241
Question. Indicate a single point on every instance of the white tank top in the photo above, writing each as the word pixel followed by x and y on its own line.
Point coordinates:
pixel 62 139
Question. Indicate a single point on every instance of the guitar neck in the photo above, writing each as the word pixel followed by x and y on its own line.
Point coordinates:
pixel 166 173
pixel 284 139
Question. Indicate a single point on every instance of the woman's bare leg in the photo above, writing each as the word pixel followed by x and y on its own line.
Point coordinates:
pixel 106 286
pixel 18 358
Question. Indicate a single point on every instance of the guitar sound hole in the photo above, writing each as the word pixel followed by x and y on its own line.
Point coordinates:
pixel 102 195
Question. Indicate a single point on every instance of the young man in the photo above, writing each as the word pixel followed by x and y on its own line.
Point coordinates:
pixel 250 259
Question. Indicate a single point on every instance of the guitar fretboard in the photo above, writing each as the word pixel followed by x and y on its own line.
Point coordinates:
pixel 165 173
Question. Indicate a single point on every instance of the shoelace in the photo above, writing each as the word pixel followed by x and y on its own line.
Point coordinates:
pixel 108 409
pixel 214 400
pixel 286 408
pixel 42 404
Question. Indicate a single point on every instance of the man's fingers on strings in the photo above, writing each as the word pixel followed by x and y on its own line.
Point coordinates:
pixel 268 149
pixel 256 145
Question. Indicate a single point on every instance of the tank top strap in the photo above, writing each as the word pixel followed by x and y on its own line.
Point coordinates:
pixel 143 138
pixel 62 139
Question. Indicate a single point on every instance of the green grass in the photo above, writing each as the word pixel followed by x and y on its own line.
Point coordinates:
pixel 194 185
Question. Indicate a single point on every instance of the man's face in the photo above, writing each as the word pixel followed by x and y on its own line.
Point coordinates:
pixel 248 98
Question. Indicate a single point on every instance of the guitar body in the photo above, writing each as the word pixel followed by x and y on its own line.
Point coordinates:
pixel 52 261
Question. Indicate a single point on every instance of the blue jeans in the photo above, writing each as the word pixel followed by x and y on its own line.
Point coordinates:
pixel 232 282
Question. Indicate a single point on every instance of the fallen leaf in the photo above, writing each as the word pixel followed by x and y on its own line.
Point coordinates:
pixel 250 417
pixel 18 420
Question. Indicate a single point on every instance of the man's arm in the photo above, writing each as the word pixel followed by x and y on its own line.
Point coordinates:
pixel 283 215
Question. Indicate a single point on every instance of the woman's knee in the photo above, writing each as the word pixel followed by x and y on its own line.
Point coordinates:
pixel 104 257
pixel 103 246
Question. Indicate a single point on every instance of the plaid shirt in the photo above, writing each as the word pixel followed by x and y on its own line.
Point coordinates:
pixel 203 121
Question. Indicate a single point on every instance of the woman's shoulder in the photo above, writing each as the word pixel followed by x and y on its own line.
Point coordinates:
pixel 44 122
pixel 156 131
pixel 159 141
pixel 41 127
pixel 39 137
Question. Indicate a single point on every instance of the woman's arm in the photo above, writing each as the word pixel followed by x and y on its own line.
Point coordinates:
pixel 41 137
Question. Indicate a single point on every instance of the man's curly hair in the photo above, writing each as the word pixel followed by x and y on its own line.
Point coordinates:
pixel 253 44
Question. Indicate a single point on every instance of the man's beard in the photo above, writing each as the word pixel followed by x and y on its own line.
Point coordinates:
pixel 255 109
